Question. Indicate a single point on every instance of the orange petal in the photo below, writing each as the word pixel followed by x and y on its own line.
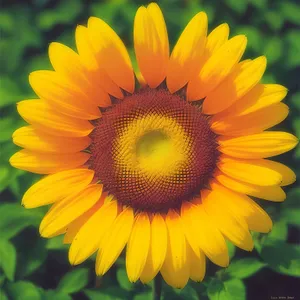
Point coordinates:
pixel 244 77
pixel 217 67
pixel 151 44
pixel 111 53
pixel 261 96
pixel 96 74
pixel 185 58
pixel 62 95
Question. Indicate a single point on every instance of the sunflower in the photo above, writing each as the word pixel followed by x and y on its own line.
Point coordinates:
pixel 163 165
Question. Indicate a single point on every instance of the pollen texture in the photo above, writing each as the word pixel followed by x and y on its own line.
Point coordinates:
pixel 153 150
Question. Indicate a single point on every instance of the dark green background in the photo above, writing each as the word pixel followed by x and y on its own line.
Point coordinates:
pixel 34 268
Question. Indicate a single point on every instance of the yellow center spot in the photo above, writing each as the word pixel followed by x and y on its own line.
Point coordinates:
pixel 153 145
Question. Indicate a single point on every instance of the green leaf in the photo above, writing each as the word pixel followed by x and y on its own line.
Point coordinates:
pixel 187 293
pixel 282 257
pixel 290 210
pixel 2 279
pixel 296 126
pixel 260 4
pixel 273 49
pixel 22 182
pixel 291 215
pixel 254 36
pixel 15 218
pixel 110 293
pixel 123 279
pixel 214 289
pixel 8 125
pixel 23 290
pixel 143 296
pixel 233 289
pixel 62 14
pixel 8 258
pixel 5 179
pixel 109 10
pixel 54 295
pixel 244 268
pixel 295 99
pixel 290 11
pixel 3 296
pixel 73 281
pixel 56 243
pixel 238 6
pixel 231 249
pixel 7 21
pixel 292 45
pixel 9 91
pixel 33 255
pixel 274 19
pixel 14 44
pixel 279 231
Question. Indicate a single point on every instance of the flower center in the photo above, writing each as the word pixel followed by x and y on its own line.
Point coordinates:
pixel 153 150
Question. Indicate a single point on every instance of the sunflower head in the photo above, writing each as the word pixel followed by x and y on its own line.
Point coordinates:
pixel 160 160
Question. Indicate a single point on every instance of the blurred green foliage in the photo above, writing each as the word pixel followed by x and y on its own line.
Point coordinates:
pixel 32 268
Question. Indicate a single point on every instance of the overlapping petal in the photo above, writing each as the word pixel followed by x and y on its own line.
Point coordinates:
pixel 151 44
pixel 185 58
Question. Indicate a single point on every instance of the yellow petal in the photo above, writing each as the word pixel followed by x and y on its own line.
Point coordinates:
pixel 151 44
pixel 34 112
pixel 44 163
pixel 213 42
pixel 216 39
pixel 75 226
pixel 67 62
pixel 217 67
pixel 62 95
pixel 190 229
pixel 261 96
pixel 184 62
pixel 241 205
pixel 96 74
pixel 111 53
pixel 67 210
pixel 288 175
pixel 198 265
pixel 157 249
pixel 30 138
pixel 251 123
pixel 114 241
pixel 272 193
pixel 88 238
pixel 210 240
pixel 232 226
pixel 242 79
pixel 261 145
pixel 253 171
pixel 56 187
pixel 138 247
pixel 176 268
